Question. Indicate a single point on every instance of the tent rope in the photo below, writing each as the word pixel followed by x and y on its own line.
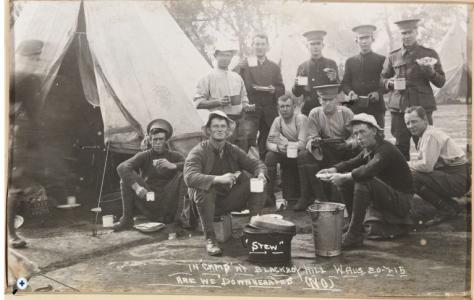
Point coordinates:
pixel 94 230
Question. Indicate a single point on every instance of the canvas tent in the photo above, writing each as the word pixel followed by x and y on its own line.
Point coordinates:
pixel 134 60
pixel 454 54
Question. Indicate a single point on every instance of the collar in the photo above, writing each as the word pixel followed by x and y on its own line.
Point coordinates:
pixel 264 61
pixel 317 59
pixel 215 148
pixel 409 49
pixel 368 152
pixel 365 54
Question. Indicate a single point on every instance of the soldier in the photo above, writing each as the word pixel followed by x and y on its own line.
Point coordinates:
pixel 264 84
pixel 362 75
pixel 316 71
pixel 408 80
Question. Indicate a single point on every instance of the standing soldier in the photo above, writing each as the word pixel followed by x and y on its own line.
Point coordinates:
pixel 262 78
pixel 407 74
pixel 316 71
pixel 362 76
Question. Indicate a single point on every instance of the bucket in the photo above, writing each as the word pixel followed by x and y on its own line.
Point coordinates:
pixel 327 222
pixel 267 246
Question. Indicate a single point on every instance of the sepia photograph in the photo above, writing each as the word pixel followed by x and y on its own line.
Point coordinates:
pixel 278 148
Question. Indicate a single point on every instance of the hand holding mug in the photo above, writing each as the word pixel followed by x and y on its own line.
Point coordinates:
pixel 331 73
pixel 352 95
pixel 373 97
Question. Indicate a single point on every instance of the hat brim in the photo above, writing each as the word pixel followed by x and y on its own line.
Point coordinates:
pixel 354 122
pixel 230 131
pixel 161 124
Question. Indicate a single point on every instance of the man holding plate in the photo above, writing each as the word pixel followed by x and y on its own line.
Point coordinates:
pixel 378 180
pixel 264 84
pixel 407 74
pixel 362 76
pixel 316 71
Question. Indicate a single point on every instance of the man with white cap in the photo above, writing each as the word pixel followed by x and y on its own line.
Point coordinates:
pixel 440 168
pixel 224 90
pixel 218 174
pixel 362 76
pixel 327 144
pixel 378 180
pixel 152 180
pixel 316 71
pixel 407 74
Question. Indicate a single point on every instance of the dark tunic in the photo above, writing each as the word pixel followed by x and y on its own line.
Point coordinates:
pixel 314 70
pixel 362 75
pixel 385 162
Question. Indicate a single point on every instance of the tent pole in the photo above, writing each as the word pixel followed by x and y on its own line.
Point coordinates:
pixel 94 229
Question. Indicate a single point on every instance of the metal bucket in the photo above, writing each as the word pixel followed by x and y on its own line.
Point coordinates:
pixel 327 222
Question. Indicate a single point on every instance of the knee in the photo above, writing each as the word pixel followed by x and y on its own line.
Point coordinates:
pixel 362 187
pixel 419 180
pixel 271 159
pixel 305 157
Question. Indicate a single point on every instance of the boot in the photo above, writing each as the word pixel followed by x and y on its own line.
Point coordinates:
pixel 212 247
pixel 447 208
pixel 354 236
pixel 126 221
pixel 305 200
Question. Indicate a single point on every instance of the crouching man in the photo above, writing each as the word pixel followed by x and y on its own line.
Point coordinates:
pixel 215 172
pixel 289 127
pixel 377 179
pixel 440 169
pixel 152 180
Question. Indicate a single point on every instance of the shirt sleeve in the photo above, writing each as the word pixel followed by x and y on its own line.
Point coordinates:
pixel 243 92
pixel 313 130
pixel 303 131
pixel 387 73
pixel 429 153
pixel 128 170
pixel 346 83
pixel 193 171
pixel 351 164
pixel 274 132
pixel 278 83
pixel 202 91
pixel 372 168
pixel 438 78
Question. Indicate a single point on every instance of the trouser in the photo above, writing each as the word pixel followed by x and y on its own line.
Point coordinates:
pixel 13 201
pixel 402 135
pixel 393 205
pixel 167 205
pixel 310 166
pixel 215 202
pixel 378 114
pixel 259 122
pixel 438 186
pixel 288 164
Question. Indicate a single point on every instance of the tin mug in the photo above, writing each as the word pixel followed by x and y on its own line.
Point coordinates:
pixel 256 185
pixel 292 150
pixel 302 80
pixel 399 84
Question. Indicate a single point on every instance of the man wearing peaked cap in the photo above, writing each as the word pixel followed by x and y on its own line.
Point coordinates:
pixel 218 174
pixel 408 80
pixel 326 145
pixel 152 180
pixel 362 76
pixel 316 71
pixel 378 182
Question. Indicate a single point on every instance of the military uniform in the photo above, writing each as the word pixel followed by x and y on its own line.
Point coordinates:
pixel 401 63
pixel 362 75
pixel 314 70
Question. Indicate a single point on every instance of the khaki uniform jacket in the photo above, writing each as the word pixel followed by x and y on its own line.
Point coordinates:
pixel 418 92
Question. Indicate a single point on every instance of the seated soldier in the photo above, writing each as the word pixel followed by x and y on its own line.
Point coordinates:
pixel 440 169
pixel 377 180
pixel 288 127
pixel 215 172
pixel 152 179
pixel 327 144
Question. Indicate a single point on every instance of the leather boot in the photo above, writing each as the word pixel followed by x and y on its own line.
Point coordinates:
pixel 212 247
pixel 354 236
pixel 447 208
pixel 305 190
pixel 126 221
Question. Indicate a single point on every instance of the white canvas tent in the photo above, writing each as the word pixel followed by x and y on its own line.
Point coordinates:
pixel 142 64
pixel 454 53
